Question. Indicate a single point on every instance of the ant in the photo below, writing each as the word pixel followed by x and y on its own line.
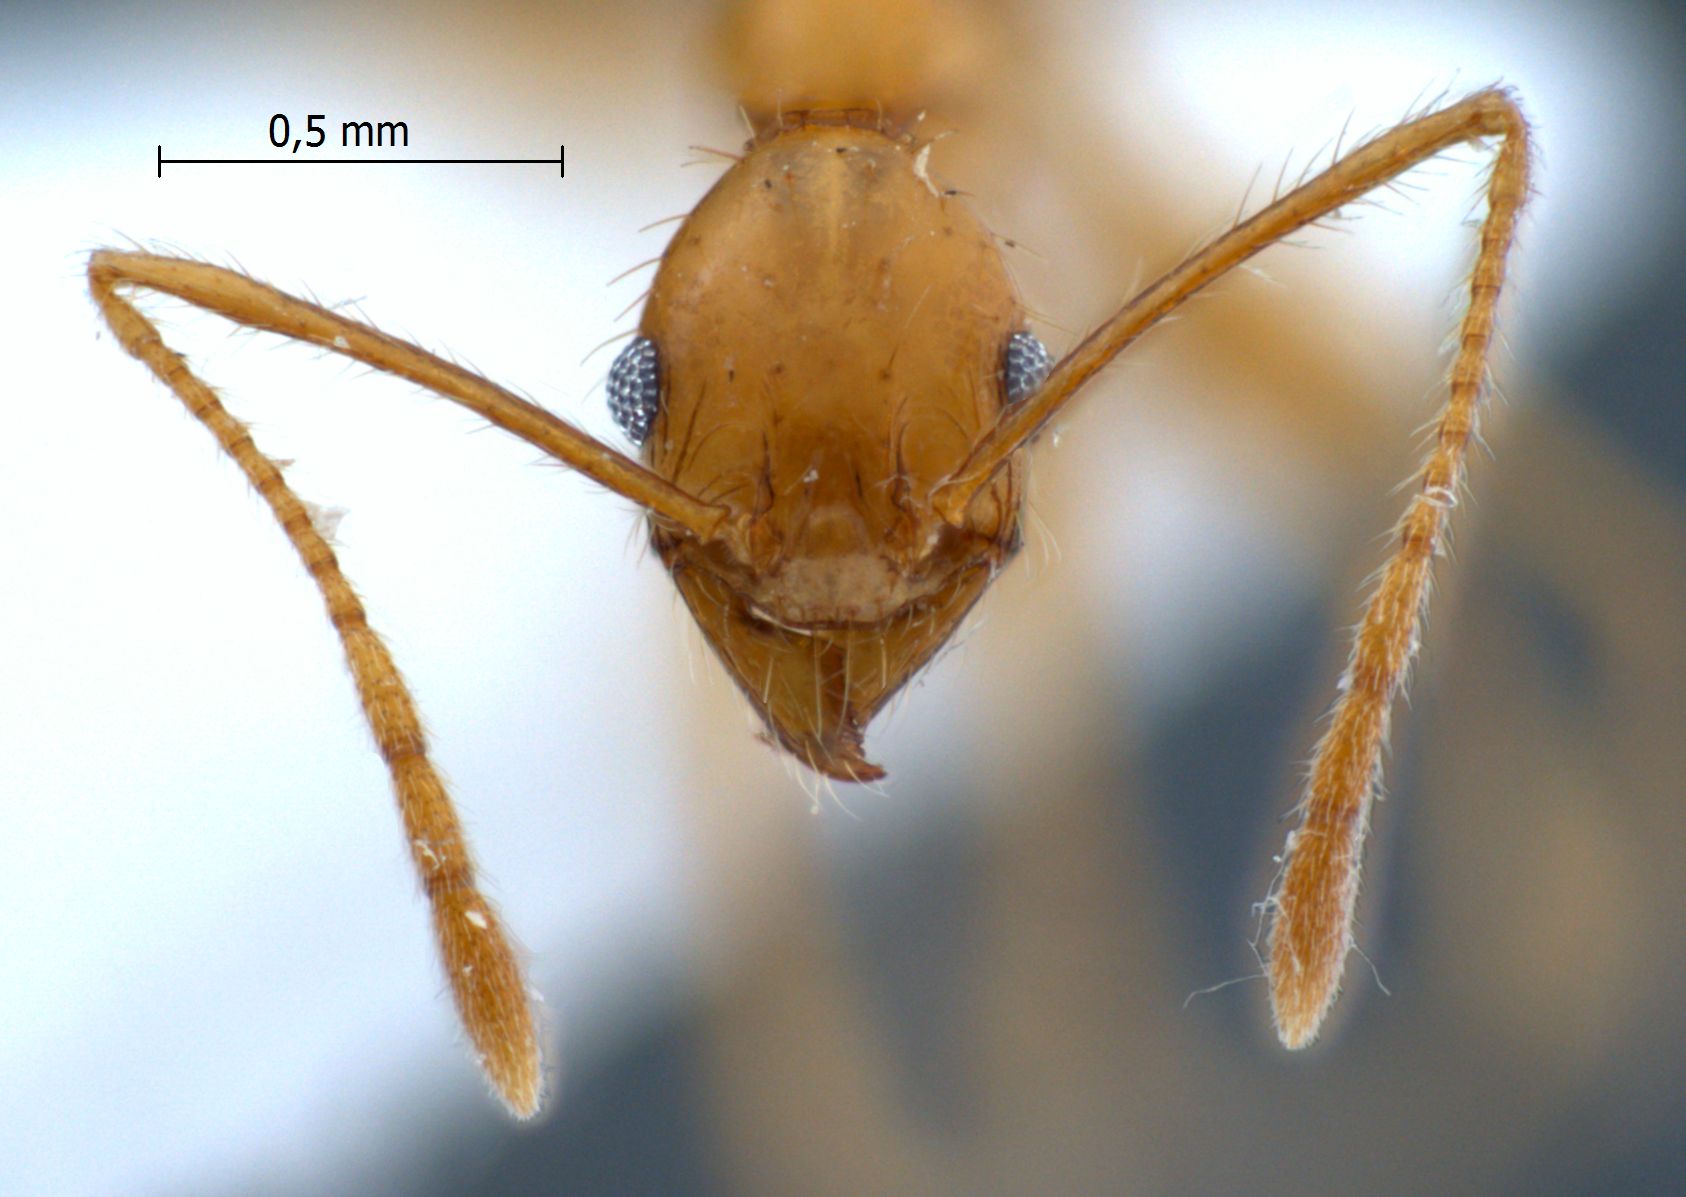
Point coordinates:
pixel 833 392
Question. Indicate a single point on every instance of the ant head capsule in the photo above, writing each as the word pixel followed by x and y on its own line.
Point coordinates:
pixel 1024 366
pixel 834 331
pixel 635 390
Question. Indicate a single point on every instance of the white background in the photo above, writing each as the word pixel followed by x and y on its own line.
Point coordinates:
pixel 214 952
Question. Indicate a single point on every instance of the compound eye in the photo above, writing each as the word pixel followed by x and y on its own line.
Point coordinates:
pixel 1024 366
pixel 635 389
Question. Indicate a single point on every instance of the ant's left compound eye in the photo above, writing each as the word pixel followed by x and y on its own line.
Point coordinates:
pixel 635 389
pixel 1024 366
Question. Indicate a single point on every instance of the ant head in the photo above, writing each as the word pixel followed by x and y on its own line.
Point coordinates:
pixel 828 337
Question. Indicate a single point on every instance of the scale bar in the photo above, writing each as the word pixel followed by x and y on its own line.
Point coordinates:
pixel 559 161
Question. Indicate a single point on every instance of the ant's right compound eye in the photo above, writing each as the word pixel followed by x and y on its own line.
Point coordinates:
pixel 635 389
